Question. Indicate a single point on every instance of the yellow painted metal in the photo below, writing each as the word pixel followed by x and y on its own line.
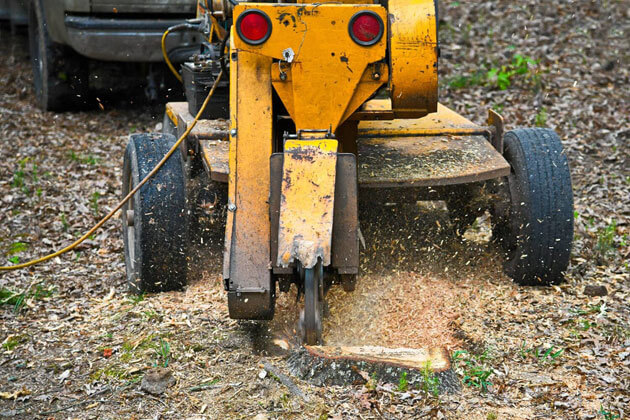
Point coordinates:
pixel 246 258
pixel 173 109
pixel 413 57
pixel 444 121
pixel 324 67
pixel 307 201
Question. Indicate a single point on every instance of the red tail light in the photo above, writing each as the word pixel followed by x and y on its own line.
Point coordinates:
pixel 253 26
pixel 366 28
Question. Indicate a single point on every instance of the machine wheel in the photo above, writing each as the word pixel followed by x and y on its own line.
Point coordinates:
pixel 155 220
pixel 536 229
pixel 60 75
pixel 311 317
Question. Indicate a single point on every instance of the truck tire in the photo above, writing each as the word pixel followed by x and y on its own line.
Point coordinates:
pixel 536 229
pixel 155 220
pixel 60 75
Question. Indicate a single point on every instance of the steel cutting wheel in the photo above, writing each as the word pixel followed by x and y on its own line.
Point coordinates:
pixel 311 319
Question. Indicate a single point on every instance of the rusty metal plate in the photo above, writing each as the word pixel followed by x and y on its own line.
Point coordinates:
pixel 307 202
pixel 419 161
pixel 215 155
pixel 345 240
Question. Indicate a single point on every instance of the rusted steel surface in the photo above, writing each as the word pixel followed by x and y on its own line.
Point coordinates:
pixel 275 189
pixel 345 239
pixel 307 202
pixel 496 121
pixel 215 155
pixel 428 161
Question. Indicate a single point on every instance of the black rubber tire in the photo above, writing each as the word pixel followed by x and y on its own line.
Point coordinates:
pixel 157 247
pixel 60 75
pixel 537 231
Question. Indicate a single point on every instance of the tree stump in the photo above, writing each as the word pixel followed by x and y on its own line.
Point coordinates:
pixel 331 365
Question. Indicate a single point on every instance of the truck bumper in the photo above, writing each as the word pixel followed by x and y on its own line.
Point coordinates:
pixel 128 40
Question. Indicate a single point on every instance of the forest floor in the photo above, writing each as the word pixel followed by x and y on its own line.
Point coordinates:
pixel 76 344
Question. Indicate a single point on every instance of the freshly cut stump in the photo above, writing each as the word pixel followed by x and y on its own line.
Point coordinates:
pixel 338 365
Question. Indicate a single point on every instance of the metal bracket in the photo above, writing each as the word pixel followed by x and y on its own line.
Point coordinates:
pixel 496 121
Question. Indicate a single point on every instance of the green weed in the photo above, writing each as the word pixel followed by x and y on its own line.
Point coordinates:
pixel 430 381
pixel 94 202
pixel 85 159
pixel 473 368
pixel 135 299
pixel 403 384
pixel 64 222
pixel 607 239
pixel 521 67
pixel 163 352
pixel 540 354
pixel 607 414
pixel 541 117
pixel 17 247
pixel 498 108
pixel 12 341
pixel 19 177
pixel 18 299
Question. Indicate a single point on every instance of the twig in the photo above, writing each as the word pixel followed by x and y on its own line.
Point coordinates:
pixel 213 385
pixel 284 379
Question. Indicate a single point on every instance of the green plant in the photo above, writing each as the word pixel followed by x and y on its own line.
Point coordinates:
pixel 430 381
pixel 94 202
pixel 521 67
pixel 17 247
pixel 20 175
pixel 473 368
pixel 12 342
pixel 606 238
pixel 64 222
pixel 491 416
pixel 18 299
pixel 498 108
pixel 89 159
pixel 133 298
pixel 403 384
pixel 163 352
pixel 540 354
pixel 607 414
pixel 541 117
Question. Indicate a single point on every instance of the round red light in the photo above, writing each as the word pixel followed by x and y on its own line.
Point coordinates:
pixel 254 27
pixel 366 28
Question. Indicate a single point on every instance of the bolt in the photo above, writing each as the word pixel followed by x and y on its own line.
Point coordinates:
pixel 233 132
pixel 231 207
pixel 283 76
pixel 376 76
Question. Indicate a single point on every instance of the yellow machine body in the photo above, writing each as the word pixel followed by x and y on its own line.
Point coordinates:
pixel 371 101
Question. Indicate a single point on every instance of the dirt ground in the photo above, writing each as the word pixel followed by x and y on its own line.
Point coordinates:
pixel 76 344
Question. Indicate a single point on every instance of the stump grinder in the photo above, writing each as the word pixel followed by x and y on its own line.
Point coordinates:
pixel 321 104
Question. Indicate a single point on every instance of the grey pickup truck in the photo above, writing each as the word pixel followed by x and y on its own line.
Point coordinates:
pixel 63 34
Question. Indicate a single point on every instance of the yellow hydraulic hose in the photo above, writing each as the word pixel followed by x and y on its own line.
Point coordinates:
pixel 168 61
pixel 128 197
